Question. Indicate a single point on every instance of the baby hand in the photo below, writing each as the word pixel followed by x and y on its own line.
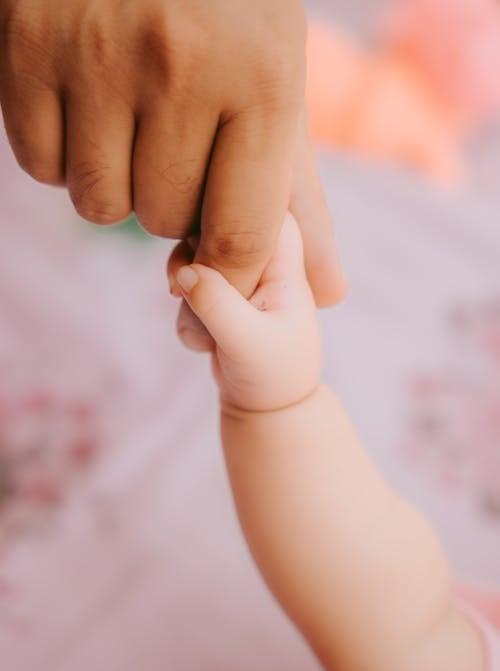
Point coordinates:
pixel 265 350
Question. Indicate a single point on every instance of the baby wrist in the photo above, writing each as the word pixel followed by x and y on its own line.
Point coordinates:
pixel 234 411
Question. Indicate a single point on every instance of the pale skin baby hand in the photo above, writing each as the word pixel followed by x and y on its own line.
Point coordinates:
pixel 265 350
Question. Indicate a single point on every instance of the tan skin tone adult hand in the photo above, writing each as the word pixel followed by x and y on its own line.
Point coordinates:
pixel 186 111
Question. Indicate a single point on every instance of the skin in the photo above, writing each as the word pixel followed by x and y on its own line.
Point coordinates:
pixel 189 112
pixel 357 569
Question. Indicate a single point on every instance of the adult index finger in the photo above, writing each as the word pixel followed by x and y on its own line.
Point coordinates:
pixel 247 193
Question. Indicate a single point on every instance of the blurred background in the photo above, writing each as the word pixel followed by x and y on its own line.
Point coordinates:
pixel 119 547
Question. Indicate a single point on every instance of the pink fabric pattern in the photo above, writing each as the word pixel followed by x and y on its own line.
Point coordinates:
pixel 455 412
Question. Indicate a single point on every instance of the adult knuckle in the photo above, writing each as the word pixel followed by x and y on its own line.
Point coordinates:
pixel 95 39
pixel 102 211
pixel 156 47
pixel 183 190
pixel 172 46
pixel 237 247
pixel 85 178
pixel 87 184
pixel 184 178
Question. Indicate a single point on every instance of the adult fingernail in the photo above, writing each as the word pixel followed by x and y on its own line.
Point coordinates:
pixel 187 278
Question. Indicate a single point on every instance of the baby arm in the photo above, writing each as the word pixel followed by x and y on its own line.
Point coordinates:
pixel 356 568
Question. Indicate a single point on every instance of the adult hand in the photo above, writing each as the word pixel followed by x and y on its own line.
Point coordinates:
pixel 185 111
pixel 310 210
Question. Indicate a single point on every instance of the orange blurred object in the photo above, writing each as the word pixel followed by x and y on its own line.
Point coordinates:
pixel 379 105
pixel 456 46
pixel 414 99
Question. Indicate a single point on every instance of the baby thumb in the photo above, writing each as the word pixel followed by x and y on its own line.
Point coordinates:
pixel 226 314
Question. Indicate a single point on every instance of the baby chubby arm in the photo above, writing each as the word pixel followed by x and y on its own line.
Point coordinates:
pixel 357 569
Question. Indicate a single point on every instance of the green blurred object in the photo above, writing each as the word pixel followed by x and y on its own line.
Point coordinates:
pixel 129 228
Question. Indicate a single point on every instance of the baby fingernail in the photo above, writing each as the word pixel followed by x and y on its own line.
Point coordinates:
pixel 187 278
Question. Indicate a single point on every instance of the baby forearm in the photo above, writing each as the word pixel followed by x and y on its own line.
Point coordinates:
pixel 358 570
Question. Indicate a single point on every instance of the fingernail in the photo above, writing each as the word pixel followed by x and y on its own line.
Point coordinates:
pixel 174 286
pixel 187 278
